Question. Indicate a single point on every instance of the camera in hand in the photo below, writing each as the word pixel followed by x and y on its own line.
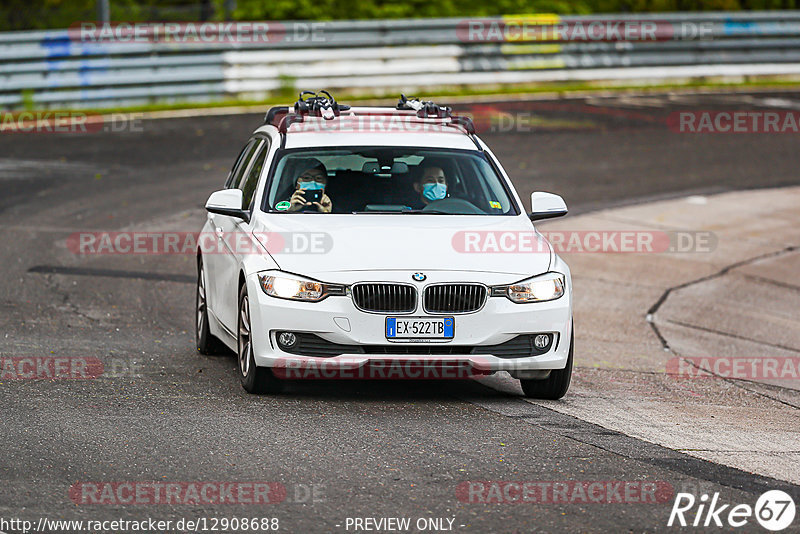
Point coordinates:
pixel 314 195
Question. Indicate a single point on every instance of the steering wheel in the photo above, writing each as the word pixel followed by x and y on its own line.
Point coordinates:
pixel 456 206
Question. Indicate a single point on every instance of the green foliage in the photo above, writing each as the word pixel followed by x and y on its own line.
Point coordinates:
pixel 40 14
pixel 287 85
pixel 356 9
pixel 382 9
pixel 27 100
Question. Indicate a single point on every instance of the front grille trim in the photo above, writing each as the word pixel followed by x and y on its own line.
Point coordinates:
pixel 460 290
pixel 520 346
pixel 391 294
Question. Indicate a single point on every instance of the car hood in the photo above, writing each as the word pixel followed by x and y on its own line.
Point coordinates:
pixel 319 244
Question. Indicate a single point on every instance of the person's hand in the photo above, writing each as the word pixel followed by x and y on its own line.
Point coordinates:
pixel 298 201
pixel 324 205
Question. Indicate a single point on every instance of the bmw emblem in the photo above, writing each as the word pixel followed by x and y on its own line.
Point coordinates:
pixel 419 277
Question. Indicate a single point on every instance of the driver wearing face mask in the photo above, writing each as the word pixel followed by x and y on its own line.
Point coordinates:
pixel 431 186
pixel 313 177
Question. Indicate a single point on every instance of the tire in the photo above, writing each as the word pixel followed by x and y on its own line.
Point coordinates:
pixel 254 379
pixel 206 342
pixel 556 385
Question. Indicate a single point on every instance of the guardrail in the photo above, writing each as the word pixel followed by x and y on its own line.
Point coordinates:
pixel 117 65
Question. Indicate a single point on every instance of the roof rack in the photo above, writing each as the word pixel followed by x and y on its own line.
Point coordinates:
pixel 323 105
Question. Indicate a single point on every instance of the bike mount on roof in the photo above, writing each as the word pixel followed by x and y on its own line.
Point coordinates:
pixel 429 110
pixel 320 104
pixel 424 108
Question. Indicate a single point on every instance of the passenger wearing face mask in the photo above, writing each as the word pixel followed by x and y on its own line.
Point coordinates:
pixel 313 177
pixel 431 186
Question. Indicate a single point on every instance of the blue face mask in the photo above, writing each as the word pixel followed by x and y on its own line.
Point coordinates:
pixel 434 191
pixel 312 186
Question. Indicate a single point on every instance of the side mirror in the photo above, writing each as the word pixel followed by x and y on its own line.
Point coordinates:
pixel 546 206
pixel 227 202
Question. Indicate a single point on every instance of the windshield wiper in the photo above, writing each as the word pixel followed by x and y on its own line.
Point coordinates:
pixel 426 212
pixel 402 212
pixel 374 211
pixel 413 212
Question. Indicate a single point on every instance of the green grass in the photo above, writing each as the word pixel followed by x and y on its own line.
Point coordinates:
pixel 560 89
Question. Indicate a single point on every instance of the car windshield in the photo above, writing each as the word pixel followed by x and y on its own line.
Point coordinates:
pixel 388 180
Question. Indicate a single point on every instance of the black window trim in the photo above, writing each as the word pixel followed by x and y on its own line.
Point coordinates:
pixel 264 144
pixel 237 163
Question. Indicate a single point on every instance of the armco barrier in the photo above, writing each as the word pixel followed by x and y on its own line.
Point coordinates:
pixel 63 68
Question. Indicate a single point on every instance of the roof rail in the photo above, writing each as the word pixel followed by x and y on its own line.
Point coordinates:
pixel 288 120
pixel 273 112
pixel 464 122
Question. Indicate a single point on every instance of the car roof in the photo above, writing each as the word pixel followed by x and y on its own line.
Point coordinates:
pixel 315 139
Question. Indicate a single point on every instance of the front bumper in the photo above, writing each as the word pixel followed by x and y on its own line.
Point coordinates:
pixel 337 320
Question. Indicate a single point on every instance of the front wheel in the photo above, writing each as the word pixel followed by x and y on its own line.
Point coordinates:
pixel 556 385
pixel 254 379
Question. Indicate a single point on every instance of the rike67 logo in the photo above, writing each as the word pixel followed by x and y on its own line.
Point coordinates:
pixel 774 510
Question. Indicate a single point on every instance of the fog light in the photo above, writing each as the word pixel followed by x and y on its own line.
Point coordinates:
pixel 287 340
pixel 541 341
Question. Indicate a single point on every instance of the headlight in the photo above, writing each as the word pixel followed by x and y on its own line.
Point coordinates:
pixel 548 286
pixel 293 287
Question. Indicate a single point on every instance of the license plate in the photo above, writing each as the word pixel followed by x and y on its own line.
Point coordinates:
pixel 420 327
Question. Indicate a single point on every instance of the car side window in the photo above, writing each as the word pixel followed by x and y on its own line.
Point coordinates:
pixel 241 164
pixel 249 184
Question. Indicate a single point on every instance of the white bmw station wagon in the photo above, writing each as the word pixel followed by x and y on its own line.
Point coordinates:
pixel 354 239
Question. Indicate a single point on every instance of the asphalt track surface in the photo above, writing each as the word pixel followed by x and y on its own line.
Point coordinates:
pixel 370 449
